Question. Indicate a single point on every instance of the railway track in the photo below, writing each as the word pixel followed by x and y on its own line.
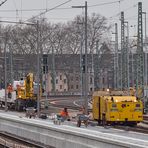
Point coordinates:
pixel 58 103
pixel 9 141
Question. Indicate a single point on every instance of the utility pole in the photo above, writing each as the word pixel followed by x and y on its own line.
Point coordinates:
pixel 122 50
pixel 38 70
pixel 145 68
pixel 92 71
pixel 116 66
pixel 97 65
pixel 11 63
pixel 5 58
pixel 145 43
pixel 133 76
pixel 127 55
pixel 86 68
pixel 45 72
pixel 81 51
pixel 124 55
pixel 140 53
pixel 126 47
pixel 5 67
pixel 53 72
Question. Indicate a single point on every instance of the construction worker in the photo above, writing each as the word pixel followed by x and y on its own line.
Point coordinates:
pixel 64 115
pixel 9 90
pixel 82 110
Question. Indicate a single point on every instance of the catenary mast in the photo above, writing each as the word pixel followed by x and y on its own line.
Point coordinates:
pixel 124 56
pixel 140 53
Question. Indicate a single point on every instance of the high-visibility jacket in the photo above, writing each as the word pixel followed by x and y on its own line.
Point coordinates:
pixel 64 114
pixel 10 89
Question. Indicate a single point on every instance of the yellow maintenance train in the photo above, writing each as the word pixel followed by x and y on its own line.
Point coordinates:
pixel 116 108
pixel 26 93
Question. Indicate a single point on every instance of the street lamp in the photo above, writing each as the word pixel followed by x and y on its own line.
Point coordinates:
pixel 85 71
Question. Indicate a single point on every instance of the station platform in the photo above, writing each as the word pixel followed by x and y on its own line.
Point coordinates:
pixel 45 131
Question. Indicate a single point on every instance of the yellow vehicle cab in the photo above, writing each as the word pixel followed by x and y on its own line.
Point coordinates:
pixel 116 109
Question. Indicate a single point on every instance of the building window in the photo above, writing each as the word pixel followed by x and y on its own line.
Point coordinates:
pixel 60 86
pixel 60 77
pixel 77 86
pixel 64 89
pixel 56 81
pixel 71 86
pixel 64 80
pixel 77 79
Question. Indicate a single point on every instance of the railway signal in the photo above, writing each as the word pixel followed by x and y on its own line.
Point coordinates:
pixel 83 63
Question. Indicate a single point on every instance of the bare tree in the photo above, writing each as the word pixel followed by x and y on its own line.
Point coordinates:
pixel 97 25
pixel 63 38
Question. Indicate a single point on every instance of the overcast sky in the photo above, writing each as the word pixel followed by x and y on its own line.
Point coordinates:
pixel 14 10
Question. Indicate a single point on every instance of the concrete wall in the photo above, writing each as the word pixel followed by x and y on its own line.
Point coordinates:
pixel 61 136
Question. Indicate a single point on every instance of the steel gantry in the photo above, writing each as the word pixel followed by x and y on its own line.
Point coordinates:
pixel 116 67
pixel 124 56
pixel 140 53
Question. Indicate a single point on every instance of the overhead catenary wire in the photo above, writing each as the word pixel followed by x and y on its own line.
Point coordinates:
pixel 56 7
pixel 118 14
pixel 23 22
pixel 42 13
pixel 53 18
pixel 2 2
pixel 107 3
